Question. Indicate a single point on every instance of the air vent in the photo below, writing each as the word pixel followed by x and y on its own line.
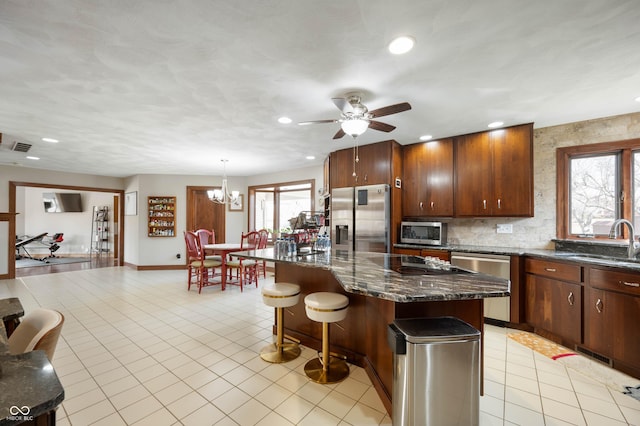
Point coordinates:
pixel 21 147
pixel 596 356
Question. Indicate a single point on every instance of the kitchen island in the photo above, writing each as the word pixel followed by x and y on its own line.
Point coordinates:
pixel 381 288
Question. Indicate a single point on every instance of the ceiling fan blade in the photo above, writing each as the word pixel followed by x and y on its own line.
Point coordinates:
pixel 339 134
pixel 304 123
pixel 383 127
pixel 342 104
pixel 391 109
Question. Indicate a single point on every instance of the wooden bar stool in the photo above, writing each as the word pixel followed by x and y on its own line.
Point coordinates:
pixel 280 296
pixel 326 307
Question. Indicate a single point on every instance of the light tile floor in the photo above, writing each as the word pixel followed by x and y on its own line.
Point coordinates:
pixel 137 348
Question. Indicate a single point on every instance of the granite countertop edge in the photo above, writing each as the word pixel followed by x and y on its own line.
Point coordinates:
pixel 358 273
pixel 575 257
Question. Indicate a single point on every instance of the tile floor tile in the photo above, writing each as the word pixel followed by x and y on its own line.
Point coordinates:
pixel 182 358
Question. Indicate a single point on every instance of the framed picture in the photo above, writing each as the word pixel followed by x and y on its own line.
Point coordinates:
pixel 238 205
pixel 131 203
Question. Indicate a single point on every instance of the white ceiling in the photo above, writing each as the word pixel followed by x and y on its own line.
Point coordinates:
pixel 171 87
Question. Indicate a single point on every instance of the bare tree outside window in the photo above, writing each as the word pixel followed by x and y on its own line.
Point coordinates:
pixel 594 189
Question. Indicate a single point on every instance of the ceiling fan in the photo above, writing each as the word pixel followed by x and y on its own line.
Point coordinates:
pixel 356 117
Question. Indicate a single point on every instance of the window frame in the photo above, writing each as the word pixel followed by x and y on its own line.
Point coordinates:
pixel 276 198
pixel 564 155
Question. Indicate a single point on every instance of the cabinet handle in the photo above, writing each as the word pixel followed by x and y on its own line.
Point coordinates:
pixel 366 177
pixel 499 203
pixel 484 204
pixel 550 269
pixel 421 205
pixel 433 205
pixel 599 306
pixel 570 298
pixel 628 284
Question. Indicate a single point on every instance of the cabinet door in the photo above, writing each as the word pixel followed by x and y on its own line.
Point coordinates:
pixel 473 162
pixel 611 326
pixel 512 171
pixel 341 168
pixel 374 164
pixel 624 314
pixel 413 187
pixel 555 306
pixel 428 179
pixel 597 331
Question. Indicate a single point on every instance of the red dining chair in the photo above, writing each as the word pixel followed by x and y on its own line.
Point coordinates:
pixel 262 265
pixel 208 237
pixel 246 269
pixel 201 269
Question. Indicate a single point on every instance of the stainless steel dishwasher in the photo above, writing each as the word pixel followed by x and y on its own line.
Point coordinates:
pixel 491 264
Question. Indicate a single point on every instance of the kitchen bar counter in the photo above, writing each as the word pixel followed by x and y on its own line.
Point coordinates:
pixel 373 274
pixel 29 387
pixel 378 295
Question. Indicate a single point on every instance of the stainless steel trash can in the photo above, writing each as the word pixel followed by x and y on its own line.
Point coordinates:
pixel 436 372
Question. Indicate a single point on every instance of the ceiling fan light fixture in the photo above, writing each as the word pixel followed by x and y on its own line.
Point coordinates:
pixel 401 45
pixel 354 126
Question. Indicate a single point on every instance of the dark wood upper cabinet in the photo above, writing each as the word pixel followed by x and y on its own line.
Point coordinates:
pixel 494 173
pixel 428 179
pixel 374 165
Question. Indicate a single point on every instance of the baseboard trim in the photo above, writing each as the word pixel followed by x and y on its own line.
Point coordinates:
pixel 155 267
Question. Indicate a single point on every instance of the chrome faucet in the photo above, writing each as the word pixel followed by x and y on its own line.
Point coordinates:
pixel 633 249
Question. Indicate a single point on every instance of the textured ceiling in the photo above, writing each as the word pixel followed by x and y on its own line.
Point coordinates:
pixel 171 87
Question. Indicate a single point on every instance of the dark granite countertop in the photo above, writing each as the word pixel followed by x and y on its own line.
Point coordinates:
pixel 11 308
pixel 373 274
pixel 29 386
pixel 616 257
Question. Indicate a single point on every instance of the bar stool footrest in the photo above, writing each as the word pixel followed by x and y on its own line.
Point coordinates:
pixel 287 352
pixel 336 371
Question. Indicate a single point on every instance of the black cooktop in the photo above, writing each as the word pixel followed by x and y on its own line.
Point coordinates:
pixel 416 265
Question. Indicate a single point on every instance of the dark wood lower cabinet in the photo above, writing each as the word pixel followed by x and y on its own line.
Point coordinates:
pixel 362 336
pixel 555 306
pixel 592 307
pixel 612 318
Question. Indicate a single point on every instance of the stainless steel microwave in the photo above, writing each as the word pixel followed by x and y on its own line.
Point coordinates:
pixel 427 233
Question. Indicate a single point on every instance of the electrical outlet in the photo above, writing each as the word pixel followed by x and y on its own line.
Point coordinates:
pixel 504 228
pixel 178 256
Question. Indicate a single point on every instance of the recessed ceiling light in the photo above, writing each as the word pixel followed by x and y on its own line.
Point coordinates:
pixel 425 137
pixel 400 45
pixel 310 157
pixel 50 140
pixel 284 120
pixel 32 158
pixel 495 124
pixel 638 99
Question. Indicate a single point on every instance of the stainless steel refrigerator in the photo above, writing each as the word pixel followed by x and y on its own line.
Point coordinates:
pixel 361 218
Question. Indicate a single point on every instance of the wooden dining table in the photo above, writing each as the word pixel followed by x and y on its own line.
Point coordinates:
pixel 224 249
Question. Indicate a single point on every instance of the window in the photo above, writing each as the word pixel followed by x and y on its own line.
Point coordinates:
pixel 271 206
pixel 598 184
pixel 593 185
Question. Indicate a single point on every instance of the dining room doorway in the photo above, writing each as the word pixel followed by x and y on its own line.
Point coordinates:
pixel 202 213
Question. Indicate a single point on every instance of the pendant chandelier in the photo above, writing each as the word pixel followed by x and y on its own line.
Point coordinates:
pixel 222 195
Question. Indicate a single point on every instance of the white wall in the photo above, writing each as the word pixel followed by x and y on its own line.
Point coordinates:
pixel 163 250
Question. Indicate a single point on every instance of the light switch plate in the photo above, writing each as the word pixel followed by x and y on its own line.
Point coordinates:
pixel 504 228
